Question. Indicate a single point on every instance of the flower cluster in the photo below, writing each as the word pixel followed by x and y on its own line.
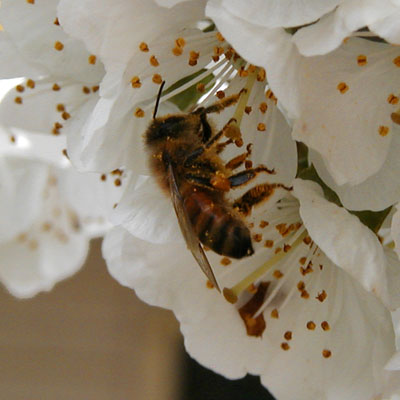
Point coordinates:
pixel 272 128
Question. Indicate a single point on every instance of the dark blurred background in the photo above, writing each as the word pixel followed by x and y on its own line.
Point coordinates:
pixel 91 338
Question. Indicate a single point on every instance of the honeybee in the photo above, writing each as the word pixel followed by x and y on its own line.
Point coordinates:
pixel 184 157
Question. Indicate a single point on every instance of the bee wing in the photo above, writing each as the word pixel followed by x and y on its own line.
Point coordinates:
pixel 191 239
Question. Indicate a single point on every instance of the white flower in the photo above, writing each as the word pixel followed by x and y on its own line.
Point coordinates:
pixel 324 333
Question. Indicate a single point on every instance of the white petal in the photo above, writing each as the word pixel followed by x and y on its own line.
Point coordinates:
pixel 164 275
pixel 277 13
pixel 353 136
pixel 377 192
pixel 147 213
pixel 343 238
pixel 272 49
pixel 21 192
pixel 33 31
pixel 395 233
pixel 388 28
pixel 393 273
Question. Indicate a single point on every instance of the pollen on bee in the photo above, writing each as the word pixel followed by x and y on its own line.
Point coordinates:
pixel 342 87
pixel 18 100
pixel 139 113
pixel 361 60
pixel 225 261
pixel 326 353
pixel 311 325
pixel 396 61
pixel 383 130
pixel 321 296
pixel 58 46
pixel 153 61
pixel 19 88
pixel 143 47
pixel 157 79
pixel 135 82
pixel 275 313
pixel 92 59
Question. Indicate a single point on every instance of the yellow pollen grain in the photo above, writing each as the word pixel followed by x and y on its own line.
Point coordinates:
pixel 342 87
pixel 19 88
pixel 288 335
pixel 252 289
pixel 65 153
pixel 277 274
pixel 285 346
pixel 301 285
pixel 58 46
pixel 135 82
pixel 257 237
pixel 200 87
pixel 117 182
pixel 153 61
pixel 215 58
pixel 143 47
pixel 311 325
pixel 243 73
pixel 263 107
pixel 157 79
pixel 275 313
pixel 261 127
pixel 220 94
pixel 225 261
pixel 95 88
pixel 103 177
pixel 361 60
pixel 30 83
pixel 209 285
pixel 269 244
pixel 92 59
pixel 33 244
pixel 60 107
pixel 56 22
pixel 302 260
pixel 192 62
pixel 286 247
pixel 305 294
pixel 261 75
pixel 194 55
pixel 278 250
pixel 220 37
pixel 383 130
pixel 13 139
pixel 56 87
pixel 248 164
pixel 247 109
pixel 263 224
pixel 396 61
pixel 218 50
pixel 326 353
pixel 85 89
pixel 392 99
pixel 325 326
pixel 321 296
pixel 177 51
pixel 395 118
pixel 180 42
pixel 139 113
pixel 65 115
pixel 18 100
pixel 30 1
pixel 307 240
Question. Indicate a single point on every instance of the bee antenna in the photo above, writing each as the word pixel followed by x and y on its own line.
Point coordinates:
pixel 158 99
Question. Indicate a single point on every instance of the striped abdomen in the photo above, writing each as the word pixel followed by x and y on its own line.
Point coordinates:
pixel 216 227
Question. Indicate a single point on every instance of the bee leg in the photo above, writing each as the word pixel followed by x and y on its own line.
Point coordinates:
pixel 243 177
pixel 237 161
pixel 256 195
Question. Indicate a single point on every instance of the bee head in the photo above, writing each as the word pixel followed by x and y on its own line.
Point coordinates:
pixel 169 127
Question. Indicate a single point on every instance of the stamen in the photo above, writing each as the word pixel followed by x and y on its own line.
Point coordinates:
pixel 231 294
